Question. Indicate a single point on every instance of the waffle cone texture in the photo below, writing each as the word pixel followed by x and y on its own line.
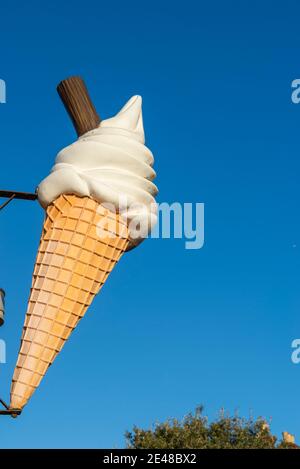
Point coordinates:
pixel 73 262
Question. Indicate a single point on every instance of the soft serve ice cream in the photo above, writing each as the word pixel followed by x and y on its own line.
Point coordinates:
pixel 112 165
pixel 104 176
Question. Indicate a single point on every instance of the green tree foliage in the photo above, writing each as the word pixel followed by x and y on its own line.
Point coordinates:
pixel 195 432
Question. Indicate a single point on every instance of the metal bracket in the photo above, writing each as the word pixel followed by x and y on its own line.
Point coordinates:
pixel 11 195
pixel 12 412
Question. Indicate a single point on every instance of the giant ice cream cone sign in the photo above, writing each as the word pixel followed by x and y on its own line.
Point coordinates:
pixel 98 190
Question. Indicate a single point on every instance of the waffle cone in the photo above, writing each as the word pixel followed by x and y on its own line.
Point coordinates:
pixel 73 262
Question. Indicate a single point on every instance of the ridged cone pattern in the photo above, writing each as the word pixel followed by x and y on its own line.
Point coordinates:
pixel 72 264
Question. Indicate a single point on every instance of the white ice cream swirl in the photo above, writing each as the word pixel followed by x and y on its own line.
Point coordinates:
pixel 112 165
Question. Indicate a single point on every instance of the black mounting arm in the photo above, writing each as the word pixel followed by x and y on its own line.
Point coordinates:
pixel 12 412
pixel 11 195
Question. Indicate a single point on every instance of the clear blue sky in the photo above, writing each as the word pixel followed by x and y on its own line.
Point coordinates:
pixel 172 328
